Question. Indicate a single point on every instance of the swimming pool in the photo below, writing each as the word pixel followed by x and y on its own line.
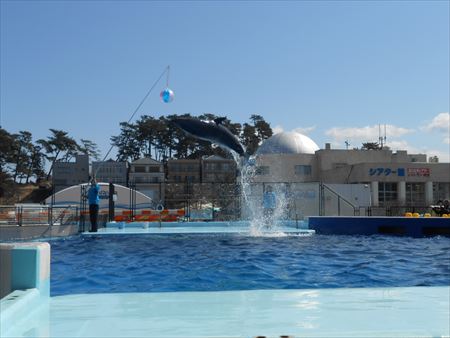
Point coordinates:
pixel 225 262
pixel 222 282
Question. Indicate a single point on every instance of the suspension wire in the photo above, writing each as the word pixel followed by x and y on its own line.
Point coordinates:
pixel 167 78
pixel 166 70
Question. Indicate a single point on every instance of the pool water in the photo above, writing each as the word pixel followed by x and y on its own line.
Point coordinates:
pixel 222 262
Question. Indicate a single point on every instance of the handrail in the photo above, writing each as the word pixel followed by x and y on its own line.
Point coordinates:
pixel 20 215
pixel 323 185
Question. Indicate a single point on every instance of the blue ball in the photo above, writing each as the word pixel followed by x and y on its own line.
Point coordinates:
pixel 167 95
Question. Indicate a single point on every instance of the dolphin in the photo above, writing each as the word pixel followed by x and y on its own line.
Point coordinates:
pixel 213 132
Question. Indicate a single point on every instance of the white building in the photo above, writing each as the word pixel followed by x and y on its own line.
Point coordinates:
pixel 394 178
pixel 147 176
pixel 111 172
pixel 67 174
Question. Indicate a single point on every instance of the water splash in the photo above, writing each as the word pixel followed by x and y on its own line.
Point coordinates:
pixel 262 223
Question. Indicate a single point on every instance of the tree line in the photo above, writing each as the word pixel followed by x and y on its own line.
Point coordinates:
pixel 23 160
pixel 161 140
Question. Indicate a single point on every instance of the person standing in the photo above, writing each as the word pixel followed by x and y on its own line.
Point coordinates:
pixel 94 201
pixel 269 205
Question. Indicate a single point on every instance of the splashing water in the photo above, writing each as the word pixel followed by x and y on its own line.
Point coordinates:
pixel 251 199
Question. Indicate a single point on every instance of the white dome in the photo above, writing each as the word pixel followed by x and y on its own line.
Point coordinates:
pixel 289 142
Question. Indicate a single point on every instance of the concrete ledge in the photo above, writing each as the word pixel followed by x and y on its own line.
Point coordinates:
pixel 25 266
pixel 17 305
pixel 397 226
pixel 27 232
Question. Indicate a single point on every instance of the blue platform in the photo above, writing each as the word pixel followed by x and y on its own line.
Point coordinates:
pixel 399 226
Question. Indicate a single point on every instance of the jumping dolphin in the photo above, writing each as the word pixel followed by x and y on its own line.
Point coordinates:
pixel 213 132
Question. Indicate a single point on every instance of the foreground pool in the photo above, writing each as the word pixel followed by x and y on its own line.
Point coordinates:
pixel 367 312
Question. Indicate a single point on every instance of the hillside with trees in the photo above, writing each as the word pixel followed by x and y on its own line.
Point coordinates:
pixel 22 162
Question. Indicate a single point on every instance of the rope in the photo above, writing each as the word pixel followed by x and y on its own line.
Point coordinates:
pixel 166 70
pixel 167 78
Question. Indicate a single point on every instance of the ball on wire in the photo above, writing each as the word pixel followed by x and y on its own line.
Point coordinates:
pixel 167 95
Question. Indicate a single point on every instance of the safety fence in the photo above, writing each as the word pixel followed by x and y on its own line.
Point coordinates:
pixel 397 211
pixel 24 215
pixel 213 202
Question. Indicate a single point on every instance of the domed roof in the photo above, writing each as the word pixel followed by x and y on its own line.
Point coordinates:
pixel 288 142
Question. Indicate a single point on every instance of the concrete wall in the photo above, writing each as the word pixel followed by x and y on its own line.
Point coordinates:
pixel 282 168
pixel 328 159
pixel 10 233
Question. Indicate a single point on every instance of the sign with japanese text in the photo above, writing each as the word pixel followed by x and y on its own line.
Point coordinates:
pixel 386 171
pixel 418 172
pixel 423 172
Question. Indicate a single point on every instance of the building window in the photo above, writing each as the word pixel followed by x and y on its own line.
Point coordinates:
pixel 415 194
pixel 302 170
pixel 339 165
pixel 191 168
pixel 441 191
pixel 209 166
pixel 262 170
pixel 153 169
pixel 139 169
pixel 387 193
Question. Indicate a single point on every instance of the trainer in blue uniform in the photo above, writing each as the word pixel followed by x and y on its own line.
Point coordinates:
pixel 94 201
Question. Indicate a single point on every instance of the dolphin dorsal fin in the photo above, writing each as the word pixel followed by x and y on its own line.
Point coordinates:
pixel 219 120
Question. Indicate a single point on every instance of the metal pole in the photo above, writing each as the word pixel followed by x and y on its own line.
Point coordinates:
pixel 82 222
pixel 111 202
pixel 19 215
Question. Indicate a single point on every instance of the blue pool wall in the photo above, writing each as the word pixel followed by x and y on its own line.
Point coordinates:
pixel 399 226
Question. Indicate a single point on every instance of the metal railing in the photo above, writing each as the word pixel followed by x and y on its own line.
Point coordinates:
pixel 396 210
pixel 333 204
pixel 24 215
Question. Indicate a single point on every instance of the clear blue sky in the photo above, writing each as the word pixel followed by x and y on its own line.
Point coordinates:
pixel 334 70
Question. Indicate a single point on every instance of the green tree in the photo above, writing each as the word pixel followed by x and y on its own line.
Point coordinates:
pixel 36 163
pixel 371 146
pixel 249 138
pixel 146 131
pixel 127 143
pixel 6 145
pixel 89 148
pixel 263 129
pixel 58 146
pixel 255 133
pixel 20 159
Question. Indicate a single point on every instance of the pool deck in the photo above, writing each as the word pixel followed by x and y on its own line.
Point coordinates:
pixel 211 229
pixel 358 312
